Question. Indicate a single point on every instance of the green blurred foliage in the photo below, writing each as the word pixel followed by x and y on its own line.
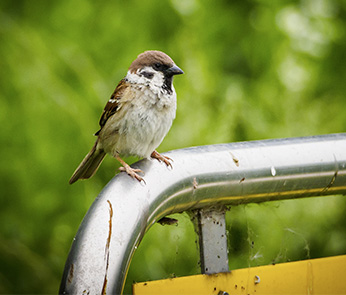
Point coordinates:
pixel 253 70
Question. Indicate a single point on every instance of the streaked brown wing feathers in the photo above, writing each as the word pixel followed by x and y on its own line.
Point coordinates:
pixel 113 103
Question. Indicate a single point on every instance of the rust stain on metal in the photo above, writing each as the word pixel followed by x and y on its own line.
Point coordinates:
pixel 70 274
pixel 104 287
pixel 110 228
pixel 108 242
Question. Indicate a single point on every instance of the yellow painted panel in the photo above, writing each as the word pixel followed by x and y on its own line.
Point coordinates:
pixel 316 276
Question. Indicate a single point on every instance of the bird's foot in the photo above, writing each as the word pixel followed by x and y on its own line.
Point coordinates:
pixel 132 172
pixel 161 158
pixel 129 170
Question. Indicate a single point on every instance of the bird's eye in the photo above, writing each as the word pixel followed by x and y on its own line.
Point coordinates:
pixel 157 66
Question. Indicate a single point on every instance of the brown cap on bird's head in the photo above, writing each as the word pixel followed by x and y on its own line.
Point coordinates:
pixel 158 60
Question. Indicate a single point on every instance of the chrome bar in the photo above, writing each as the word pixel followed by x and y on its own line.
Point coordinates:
pixel 216 175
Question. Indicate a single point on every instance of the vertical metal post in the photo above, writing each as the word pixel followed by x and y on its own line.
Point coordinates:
pixel 212 241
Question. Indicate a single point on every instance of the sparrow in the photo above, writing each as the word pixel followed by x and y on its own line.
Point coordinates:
pixel 137 116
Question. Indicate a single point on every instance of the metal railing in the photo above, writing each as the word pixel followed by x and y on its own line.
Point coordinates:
pixel 206 177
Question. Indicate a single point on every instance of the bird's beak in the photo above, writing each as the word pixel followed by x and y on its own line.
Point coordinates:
pixel 174 70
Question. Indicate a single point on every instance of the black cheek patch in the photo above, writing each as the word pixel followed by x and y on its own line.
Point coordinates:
pixel 147 75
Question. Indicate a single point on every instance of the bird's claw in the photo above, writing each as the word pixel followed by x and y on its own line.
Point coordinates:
pixel 162 158
pixel 132 172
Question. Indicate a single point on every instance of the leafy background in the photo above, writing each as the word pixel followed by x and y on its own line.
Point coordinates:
pixel 253 70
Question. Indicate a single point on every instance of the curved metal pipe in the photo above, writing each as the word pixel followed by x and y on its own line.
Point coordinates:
pixel 226 174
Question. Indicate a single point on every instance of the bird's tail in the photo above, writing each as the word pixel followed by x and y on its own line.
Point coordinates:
pixel 89 165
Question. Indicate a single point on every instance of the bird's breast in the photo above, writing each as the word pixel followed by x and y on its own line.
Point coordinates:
pixel 145 121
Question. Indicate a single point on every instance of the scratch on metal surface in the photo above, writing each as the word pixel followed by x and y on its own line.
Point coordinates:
pixel 334 176
pixel 104 287
pixel 257 280
pixel 331 182
pixel 310 279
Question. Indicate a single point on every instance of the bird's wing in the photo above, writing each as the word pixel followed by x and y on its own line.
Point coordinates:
pixel 113 103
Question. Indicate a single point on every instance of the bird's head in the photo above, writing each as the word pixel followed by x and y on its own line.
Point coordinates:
pixel 154 68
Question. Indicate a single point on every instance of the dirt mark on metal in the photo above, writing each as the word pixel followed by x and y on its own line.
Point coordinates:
pixel 108 242
pixel 70 274
pixel 195 183
pixel 235 160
